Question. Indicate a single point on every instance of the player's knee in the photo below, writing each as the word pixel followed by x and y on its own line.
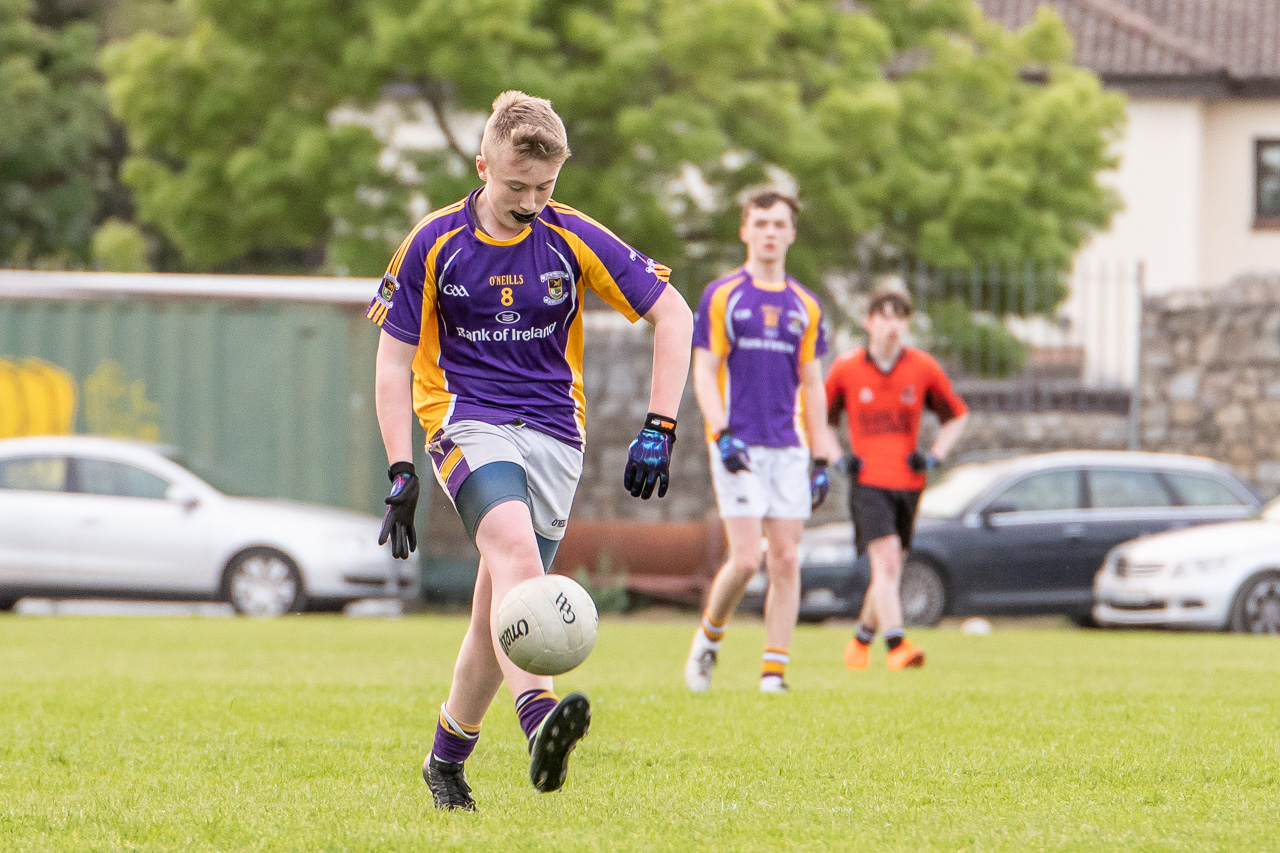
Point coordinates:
pixel 784 565
pixel 742 566
pixel 783 579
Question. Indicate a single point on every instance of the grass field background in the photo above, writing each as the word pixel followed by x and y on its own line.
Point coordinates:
pixel 308 734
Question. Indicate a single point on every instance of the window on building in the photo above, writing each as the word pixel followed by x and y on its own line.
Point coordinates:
pixel 1266 209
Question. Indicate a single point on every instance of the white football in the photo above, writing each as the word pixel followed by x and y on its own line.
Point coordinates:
pixel 547 625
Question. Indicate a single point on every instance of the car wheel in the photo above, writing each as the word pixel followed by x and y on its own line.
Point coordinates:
pixel 7 604
pixel 1257 607
pixel 1083 619
pixel 263 582
pixel 924 595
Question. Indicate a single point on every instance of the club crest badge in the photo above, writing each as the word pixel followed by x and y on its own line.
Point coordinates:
pixel 555 282
pixel 387 291
pixel 797 323
pixel 866 395
pixel 909 395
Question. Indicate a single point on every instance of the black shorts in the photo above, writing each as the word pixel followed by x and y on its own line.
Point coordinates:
pixel 881 512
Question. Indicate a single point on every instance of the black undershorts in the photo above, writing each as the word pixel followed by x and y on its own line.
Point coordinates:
pixel 881 512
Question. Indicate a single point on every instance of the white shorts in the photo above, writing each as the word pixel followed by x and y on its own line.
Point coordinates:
pixel 552 469
pixel 777 486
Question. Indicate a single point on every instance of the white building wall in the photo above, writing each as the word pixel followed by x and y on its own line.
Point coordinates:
pixel 1160 180
pixel 1230 245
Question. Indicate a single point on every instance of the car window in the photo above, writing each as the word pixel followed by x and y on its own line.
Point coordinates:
pixel 948 497
pixel 1126 488
pixel 1202 490
pixel 34 473
pixel 105 477
pixel 1043 492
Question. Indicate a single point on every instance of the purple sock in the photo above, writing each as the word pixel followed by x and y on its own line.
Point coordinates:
pixel 454 741
pixel 532 706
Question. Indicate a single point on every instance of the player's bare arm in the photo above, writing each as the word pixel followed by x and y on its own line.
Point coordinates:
pixel 823 443
pixel 948 435
pixel 672 336
pixel 706 367
pixel 393 396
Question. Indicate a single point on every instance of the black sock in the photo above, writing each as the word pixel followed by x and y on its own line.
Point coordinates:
pixel 893 639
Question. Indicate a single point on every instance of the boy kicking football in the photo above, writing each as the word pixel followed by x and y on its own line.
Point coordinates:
pixel 482 337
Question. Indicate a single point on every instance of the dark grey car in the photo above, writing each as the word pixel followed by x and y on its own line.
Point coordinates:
pixel 1024 535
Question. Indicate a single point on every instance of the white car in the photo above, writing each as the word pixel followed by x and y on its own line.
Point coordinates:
pixel 1219 576
pixel 83 516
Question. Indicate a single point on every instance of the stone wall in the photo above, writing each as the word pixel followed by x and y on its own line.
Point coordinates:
pixel 1210 376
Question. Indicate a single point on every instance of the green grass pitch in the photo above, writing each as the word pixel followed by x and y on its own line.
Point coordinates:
pixel 308 734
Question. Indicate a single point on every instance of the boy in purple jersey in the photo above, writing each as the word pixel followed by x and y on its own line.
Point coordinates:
pixel 482 336
pixel 758 337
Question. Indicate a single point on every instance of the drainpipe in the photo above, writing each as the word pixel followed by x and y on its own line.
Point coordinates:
pixel 1135 395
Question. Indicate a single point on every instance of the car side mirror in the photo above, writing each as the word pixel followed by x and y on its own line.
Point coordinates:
pixel 183 496
pixel 993 510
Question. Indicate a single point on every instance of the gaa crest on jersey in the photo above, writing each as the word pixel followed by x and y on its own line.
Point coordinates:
pixel 796 323
pixel 555 282
pixel 387 290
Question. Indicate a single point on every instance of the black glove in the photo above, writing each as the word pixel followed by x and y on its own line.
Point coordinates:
pixel 819 483
pixel 402 503
pixel 921 462
pixel 649 457
pixel 850 465
pixel 733 452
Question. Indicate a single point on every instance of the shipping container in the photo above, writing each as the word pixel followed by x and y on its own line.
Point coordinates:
pixel 265 384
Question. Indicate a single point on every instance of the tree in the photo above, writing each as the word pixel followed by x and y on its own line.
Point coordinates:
pixel 54 120
pixel 907 126
pixel 234 157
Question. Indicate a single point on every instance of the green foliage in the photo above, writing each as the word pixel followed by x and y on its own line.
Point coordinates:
pixel 162 734
pixel 52 120
pixel 607 585
pixel 907 126
pixel 234 150
pixel 119 247
pixel 980 344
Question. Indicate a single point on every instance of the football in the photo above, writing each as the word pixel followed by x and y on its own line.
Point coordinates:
pixel 547 625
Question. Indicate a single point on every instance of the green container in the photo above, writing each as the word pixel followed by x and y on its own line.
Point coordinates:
pixel 264 384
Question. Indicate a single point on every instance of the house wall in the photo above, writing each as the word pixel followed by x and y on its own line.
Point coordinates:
pixel 1160 179
pixel 1230 245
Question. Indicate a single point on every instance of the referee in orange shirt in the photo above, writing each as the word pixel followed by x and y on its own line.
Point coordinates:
pixel 884 388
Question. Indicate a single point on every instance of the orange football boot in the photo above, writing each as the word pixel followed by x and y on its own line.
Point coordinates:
pixel 857 655
pixel 905 655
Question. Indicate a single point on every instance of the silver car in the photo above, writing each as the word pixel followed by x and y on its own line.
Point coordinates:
pixel 83 516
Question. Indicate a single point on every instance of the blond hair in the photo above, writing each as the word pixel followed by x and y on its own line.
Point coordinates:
pixel 527 126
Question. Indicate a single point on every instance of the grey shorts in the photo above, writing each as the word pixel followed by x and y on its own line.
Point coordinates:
pixel 481 465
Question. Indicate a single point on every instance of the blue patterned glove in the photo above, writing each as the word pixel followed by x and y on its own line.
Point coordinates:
pixel 819 483
pixel 733 452
pixel 921 462
pixel 649 457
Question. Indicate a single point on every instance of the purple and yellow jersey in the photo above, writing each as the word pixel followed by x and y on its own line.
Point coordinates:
pixel 765 332
pixel 498 323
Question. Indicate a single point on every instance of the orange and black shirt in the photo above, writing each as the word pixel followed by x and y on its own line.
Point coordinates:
pixel 884 411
